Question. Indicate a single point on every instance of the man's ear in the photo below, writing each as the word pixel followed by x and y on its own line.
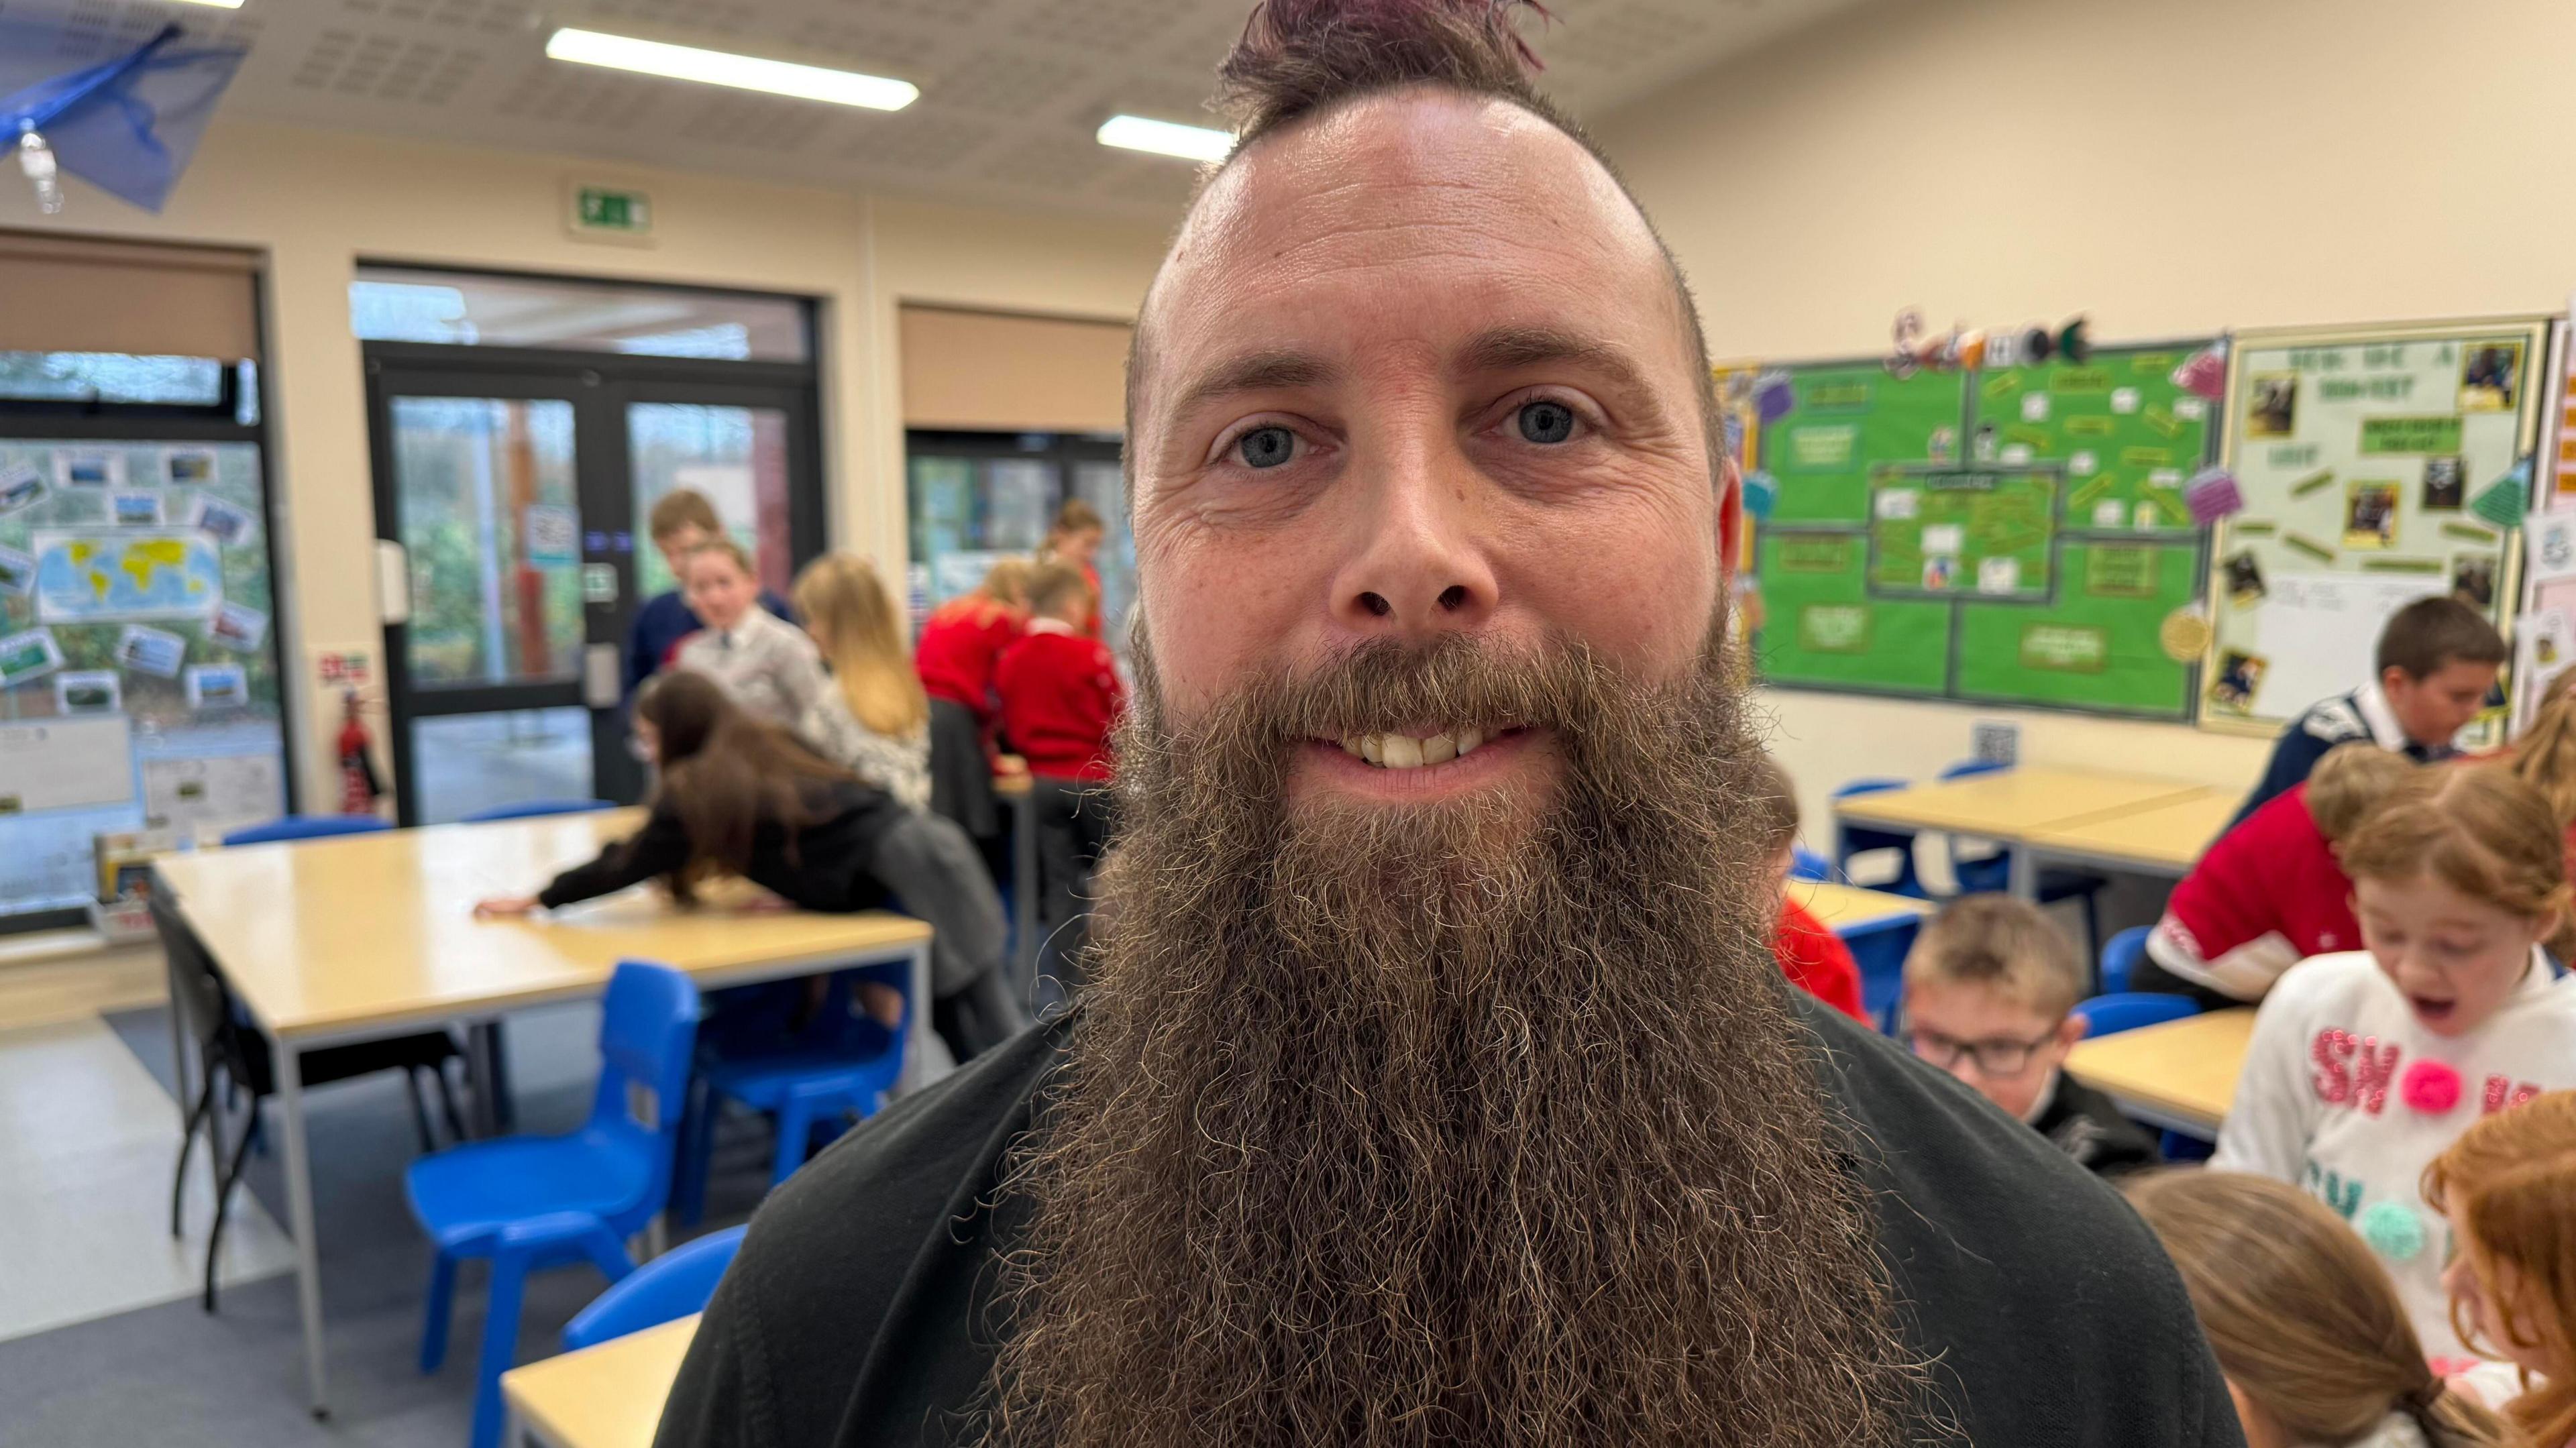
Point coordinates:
pixel 2391 677
pixel 1730 519
pixel 2072 1029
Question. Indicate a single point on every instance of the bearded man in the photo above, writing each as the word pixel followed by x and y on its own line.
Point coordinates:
pixel 1433 1082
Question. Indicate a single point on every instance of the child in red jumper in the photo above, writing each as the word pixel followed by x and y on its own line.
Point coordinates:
pixel 1813 958
pixel 1060 698
pixel 960 649
pixel 2270 893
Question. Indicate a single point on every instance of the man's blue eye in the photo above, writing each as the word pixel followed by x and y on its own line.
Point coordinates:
pixel 1266 447
pixel 1546 421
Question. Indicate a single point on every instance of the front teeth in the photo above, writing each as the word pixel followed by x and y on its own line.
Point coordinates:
pixel 1403 751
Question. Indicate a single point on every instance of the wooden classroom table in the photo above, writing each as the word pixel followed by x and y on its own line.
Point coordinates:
pixel 609 1395
pixel 1843 907
pixel 2011 805
pixel 2161 839
pixel 358 937
pixel 2180 1075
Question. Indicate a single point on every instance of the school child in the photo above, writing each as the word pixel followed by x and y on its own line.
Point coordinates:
pixel 2544 757
pixel 770 666
pixel 2437 661
pixel 875 721
pixel 2304 1320
pixel 2268 894
pixel 961 646
pixel 2364 1066
pixel 1812 956
pixel 2507 1188
pixel 1074 538
pixel 738 797
pixel 1990 993
pixel 682 522
pixel 1060 698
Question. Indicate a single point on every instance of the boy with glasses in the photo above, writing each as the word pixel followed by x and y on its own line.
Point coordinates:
pixel 1990 993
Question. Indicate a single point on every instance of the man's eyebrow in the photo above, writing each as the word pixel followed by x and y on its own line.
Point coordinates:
pixel 1506 348
pixel 1254 372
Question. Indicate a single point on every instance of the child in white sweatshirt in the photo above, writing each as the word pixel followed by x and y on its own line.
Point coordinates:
pixel 2365 1066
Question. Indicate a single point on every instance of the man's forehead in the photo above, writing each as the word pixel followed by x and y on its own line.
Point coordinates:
pixel 1397 179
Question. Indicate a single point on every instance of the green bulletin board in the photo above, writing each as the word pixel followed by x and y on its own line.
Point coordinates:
pixel 2015 535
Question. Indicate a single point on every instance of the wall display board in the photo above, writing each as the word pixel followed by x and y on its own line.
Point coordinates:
pixel 2376 465
pixel 136 639
pixel 2014 535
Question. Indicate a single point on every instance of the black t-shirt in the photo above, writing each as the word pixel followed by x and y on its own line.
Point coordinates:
pixel 857 1315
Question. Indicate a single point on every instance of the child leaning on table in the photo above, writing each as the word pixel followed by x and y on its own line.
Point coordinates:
pixel 2364 1066
pixel 2268 894
pixel 1990 993
pixel 738 797
pixel 2507 1188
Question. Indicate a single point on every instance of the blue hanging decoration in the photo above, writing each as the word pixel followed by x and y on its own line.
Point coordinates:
pixel 128 126
pixel 1761 493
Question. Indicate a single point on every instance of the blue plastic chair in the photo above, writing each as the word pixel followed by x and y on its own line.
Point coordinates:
pixel 665 1289
pixel 806 1075
pixel 2121 956
pixel 527 1202
pixel 1806 864
pixel 1879 948
pixel 1982 874
pixel 1850 840
pixel 531 809
pixel 1991 874
pixel 2108 1015
pixel 306 827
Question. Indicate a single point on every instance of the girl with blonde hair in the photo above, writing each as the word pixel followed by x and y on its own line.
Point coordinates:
pixel 875 720
pixel 2306 1324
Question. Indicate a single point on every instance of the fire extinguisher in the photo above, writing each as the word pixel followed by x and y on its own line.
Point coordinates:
pixel 359 787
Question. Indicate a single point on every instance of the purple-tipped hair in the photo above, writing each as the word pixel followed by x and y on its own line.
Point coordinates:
pixel 1298 57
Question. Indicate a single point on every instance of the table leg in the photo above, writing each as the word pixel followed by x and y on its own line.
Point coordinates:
pixel 2025 873
pixel 1024 893
pixel 299 1209
pixel 483 1060
pixel 178 1050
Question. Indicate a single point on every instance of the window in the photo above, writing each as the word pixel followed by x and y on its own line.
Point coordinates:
pixel 467 309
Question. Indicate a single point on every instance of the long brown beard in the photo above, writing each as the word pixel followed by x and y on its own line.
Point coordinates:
pixel 1479 1123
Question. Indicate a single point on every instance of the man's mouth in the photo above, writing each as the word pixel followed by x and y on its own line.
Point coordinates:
pixel 1393 750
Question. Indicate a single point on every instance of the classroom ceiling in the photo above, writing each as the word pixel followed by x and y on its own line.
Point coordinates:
pixel 1011 89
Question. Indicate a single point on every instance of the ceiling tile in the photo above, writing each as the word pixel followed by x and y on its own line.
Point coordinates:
pixel 1011 89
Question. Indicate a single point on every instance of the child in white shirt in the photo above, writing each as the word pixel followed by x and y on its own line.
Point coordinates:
pixel 2365 1065
pixel 767 665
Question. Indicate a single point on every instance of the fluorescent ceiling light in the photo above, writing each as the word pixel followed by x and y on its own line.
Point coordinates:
pixel 1164 138
pixel 218 4
pixel 744 72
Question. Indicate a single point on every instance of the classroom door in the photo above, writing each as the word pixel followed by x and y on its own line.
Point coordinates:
pixel 518 501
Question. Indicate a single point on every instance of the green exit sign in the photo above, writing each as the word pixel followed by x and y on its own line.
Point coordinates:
pixel 611 213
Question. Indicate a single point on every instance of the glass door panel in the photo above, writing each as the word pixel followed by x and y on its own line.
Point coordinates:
pixel 492 524
pixel 737 457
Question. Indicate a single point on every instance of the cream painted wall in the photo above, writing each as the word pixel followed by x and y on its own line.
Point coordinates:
pixel 317 203
pixel 2000 161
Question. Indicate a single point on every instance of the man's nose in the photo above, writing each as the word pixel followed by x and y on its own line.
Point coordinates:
pixel 1421 567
